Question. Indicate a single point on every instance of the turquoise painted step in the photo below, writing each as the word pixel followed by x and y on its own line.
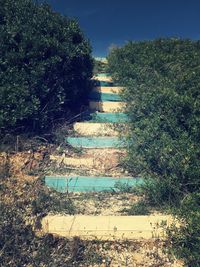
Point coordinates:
pixel 104 96
pixel 95 142
pixel 108 117
pixel 103 75
pixel 92 184
pixel 103 83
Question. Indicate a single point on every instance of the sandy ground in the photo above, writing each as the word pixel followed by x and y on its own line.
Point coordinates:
pixel 91 162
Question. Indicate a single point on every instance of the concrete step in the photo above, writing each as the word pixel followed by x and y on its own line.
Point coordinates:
pixel 108 117
pixel 95 142
pixel 89 183
pixel 113 89
pixel 98 96
pixel 106 106
pixel 95 129
pixel 107 227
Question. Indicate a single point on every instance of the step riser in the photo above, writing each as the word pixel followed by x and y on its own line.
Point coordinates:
pixel 107 227
pixel 95 129
pixel 96 96
pixel 106 106
pixel 95 142
pixel 88 184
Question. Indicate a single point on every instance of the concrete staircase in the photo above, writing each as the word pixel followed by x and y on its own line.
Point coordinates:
pixel 100 149
pixel 98 140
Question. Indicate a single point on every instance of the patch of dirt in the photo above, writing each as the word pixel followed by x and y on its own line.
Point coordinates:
pixel 90 161
pixel 103 203
pixel 26 165
pixel 135 254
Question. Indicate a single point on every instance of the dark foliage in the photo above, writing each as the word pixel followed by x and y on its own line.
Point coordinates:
pixel 161 80
pixel 185 239
pixel 162 91
pixel 20 246
pixel 45 65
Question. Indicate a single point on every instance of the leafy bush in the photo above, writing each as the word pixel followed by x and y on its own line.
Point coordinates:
pixel 123 187
pixel 45 64
pixel 164 194
pixel 162 91
pixel 186 238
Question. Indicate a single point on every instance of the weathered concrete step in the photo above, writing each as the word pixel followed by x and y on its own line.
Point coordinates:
pixel 95 129
pixel 116 117
pixel 113 89
pixel 106 106
pixel 94 142
pixel 97 96
pixel 86 184
pixel 107 227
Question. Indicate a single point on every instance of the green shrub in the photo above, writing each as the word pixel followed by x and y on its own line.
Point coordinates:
pixel 139 208
pixel 157 193
pixel 162 91
pixel 186 238
pixel 123 187
pixel 45 65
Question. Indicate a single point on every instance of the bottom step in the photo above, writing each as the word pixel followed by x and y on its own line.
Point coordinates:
pixel 92 184
pixel 107 227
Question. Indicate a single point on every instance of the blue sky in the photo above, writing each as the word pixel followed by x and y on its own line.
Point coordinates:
pixel 107 22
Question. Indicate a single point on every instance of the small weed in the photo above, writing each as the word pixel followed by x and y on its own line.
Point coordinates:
pixel 77 249
pixel 86 253
pixel 60 133
pixel 139 208
pixel 31 173
pixel 50 201
pixel 77 150
pixel 94 258
pixel 123 187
